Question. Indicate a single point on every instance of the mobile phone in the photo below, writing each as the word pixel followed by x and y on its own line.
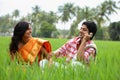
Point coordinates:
pixel 91 34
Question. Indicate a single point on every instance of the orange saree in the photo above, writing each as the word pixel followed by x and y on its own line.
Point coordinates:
pixel 30 50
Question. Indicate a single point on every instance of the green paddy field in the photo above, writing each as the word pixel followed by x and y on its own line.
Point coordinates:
pixel 107 66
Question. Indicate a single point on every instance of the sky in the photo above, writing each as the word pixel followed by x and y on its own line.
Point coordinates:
pixel 25 7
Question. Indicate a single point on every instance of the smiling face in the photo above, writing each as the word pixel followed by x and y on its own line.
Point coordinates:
pixel 83 31
pixel 27 35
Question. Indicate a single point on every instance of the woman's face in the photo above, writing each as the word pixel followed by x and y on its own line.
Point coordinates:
pixel 28 33
pixel 83 30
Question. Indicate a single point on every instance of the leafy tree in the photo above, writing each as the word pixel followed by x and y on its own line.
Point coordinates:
pixel 114 31
pixel 35 19
pixel 50 17
pixel 15 14
pixel 39 17
pixel 6 24
pixel 55 34
pixel 85 13
pixel 81 14
pixel 99 14
pixel 73 30
pixel 46 29
pixel 106 34
pixel 68 11
pixel 103 11
pixel 99 34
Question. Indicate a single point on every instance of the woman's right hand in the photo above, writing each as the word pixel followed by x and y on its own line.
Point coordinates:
pixel 50 55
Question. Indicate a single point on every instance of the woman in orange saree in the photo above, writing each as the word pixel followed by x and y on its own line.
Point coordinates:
pixel 26 48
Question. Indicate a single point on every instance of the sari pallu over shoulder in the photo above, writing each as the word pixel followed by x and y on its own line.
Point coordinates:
pixel 31 49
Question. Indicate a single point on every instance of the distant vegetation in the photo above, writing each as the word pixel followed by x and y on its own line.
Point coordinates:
pixel 44 23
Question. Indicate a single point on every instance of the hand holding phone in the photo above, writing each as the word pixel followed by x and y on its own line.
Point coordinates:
pixel 87 36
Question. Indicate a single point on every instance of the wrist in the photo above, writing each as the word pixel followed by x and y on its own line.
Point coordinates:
pixel 84 41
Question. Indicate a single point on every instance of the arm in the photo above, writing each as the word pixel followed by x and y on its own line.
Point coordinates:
pixel 89 53
pixel 81 49
pixel 57 54
pixel 61 52
pixel 44 54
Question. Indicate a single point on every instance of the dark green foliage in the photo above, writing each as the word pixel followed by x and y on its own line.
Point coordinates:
pixel 46 29
pixel 114 31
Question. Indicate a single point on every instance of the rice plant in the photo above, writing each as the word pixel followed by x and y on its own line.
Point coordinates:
pixel 106 67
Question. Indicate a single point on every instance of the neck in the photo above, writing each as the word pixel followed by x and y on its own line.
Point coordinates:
pixel 25 40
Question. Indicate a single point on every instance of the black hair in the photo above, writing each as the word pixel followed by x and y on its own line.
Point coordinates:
pixel 92 27
pixel 19 30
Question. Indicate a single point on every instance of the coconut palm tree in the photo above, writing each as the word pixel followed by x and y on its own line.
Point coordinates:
pixel 81 14
pixel 35 18
pixel 67 12
pixel 104 10
pixel 15 14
